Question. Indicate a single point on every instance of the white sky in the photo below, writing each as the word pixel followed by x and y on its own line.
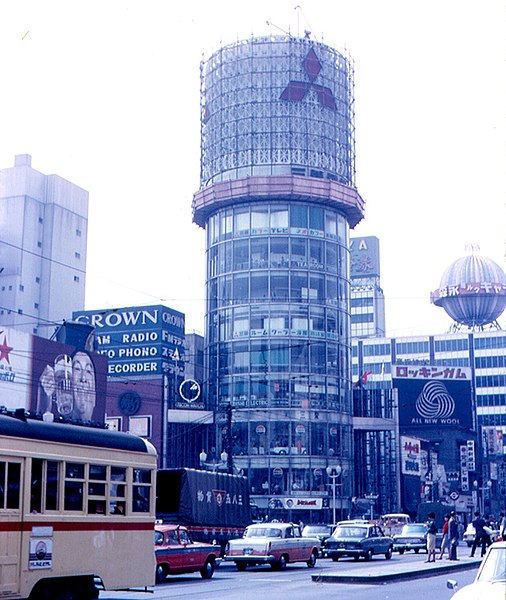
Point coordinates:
pixel 105 93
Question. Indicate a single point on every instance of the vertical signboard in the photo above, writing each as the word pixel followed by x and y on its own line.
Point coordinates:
pixel 410 456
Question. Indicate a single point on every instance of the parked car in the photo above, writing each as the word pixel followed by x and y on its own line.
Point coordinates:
pixel 413 537
pixel 358 540
pixel 276 544
pixel 490 582
pixel 176 553
pixel 320 532
pixel 470 534
pixel 392 523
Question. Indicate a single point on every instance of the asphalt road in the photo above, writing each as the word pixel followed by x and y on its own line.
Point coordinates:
pixel 295 583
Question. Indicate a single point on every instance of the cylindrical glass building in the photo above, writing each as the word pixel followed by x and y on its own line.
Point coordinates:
pixel 277 199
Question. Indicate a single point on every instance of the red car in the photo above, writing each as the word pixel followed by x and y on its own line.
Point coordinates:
pixel 176 553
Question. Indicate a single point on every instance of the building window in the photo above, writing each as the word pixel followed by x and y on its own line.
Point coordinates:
pixel 113 423
pixel 140 426
pixel 77 255
pixel 39 244
pixel 41 220
pixel 21 287
pixel 36 305
pixel 78 232
pixel 76 278
pixel 37 280
pixel 20 311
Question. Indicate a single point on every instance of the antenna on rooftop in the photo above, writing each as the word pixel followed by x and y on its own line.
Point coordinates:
pixel 271 24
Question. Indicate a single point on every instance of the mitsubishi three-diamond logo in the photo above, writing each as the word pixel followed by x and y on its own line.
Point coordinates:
pixel 297 90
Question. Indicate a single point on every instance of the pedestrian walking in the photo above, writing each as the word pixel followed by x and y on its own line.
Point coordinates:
pixel 502 526
pixel 488 530
pixel 445 540
pixel 453 533
pixel 431 537
pixel 480 538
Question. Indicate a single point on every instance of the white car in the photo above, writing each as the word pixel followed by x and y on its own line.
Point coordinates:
pixel 490 582
pixel 470 534
pixel 275 544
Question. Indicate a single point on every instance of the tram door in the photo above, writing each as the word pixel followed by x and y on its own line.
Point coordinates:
pixel 10 524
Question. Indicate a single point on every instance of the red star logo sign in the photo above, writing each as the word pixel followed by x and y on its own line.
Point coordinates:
pixel 4 350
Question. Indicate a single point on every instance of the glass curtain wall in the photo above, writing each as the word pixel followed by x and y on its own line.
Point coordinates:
pixel 278 342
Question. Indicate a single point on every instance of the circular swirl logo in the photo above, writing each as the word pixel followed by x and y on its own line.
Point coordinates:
pixel 434 402
pixel 129 403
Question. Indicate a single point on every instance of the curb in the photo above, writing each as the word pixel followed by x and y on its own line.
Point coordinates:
pixel 388 577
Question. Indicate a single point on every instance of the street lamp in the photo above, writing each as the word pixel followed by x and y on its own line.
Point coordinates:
pixel 214 465
pixel 480 498
pixel 334 472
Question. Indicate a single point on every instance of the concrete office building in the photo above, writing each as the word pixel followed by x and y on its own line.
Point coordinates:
pixel 475 413
pixel 154 378
pixel 277 198
pixel 43 234
pixel 367 298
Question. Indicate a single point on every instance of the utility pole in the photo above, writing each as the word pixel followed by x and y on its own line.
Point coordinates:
pixel 230 458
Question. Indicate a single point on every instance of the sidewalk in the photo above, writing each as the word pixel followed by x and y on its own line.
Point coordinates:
pixel 383 571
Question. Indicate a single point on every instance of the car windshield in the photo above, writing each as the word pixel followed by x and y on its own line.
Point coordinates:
pixel 315 529
pixel 494 566
pixel 350 532
pixel 158 538
pixel 270 532
pixel 409 529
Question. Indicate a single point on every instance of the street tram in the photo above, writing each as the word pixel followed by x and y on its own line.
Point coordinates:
pixel 77 510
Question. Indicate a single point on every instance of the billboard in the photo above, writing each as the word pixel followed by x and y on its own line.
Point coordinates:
pixel 15 368
pixel 138 341
pixel 365 261
pixel 44 376
pixel 492 440
pixel 67 382
pixel 433 396
pixel 411 463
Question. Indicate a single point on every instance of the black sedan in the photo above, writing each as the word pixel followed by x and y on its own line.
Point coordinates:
pixel 354 540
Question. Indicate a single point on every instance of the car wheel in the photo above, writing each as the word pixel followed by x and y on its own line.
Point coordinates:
pixel 312 560
pixel 388 553
pixel 335 558
pixel 401 550
pixel 356 557
pixel 368 555
pixel 417 550
pixel 161 574
pixel 241 566
pixel 280 565
pixel 207 570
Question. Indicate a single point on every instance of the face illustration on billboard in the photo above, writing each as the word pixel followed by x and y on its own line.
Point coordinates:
pixel 83 386
pixel 65 382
